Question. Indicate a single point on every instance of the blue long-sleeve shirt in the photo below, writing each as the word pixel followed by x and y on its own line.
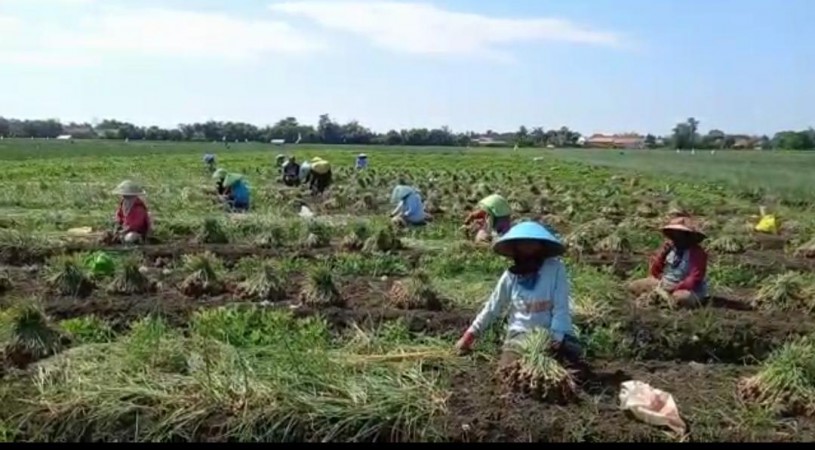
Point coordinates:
pixel 239 193
pixel 544 306
pixel 411 208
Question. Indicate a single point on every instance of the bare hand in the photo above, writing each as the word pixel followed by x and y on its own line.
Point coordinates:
pixel 462 346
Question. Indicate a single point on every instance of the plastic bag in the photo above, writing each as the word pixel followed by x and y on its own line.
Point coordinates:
pixel 100 264
pixel 651 405
pixel 80 231
pixel 305 212
pixel 767 224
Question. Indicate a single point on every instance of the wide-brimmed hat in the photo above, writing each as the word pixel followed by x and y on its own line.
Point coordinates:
pixel 527 231
pixel 362 155
pixel 684 224
pixel 128 188
pixel 219 174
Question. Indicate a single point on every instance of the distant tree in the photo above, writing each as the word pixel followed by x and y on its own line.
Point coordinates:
pixel 650 141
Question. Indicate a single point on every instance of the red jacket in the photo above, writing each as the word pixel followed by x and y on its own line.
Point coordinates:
pixel 698 266
pixel 137 219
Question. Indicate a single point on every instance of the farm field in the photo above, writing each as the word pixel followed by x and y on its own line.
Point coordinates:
pixel 268 327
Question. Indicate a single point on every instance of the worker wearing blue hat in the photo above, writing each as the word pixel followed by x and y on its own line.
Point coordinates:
pixel 362 161
pixel 536 289
pixel 209 161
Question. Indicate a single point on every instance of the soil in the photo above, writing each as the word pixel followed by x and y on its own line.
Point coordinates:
pixel 697 355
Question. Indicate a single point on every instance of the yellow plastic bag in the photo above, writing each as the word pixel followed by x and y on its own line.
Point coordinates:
pixel 767 224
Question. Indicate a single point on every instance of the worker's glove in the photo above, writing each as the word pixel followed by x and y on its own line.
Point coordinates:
pixel 465 344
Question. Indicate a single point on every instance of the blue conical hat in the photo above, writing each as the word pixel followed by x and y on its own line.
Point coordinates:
pixel 528 230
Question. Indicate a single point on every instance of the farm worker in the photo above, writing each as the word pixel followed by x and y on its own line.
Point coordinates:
pixel 219 176
pixel 679 268
pixel 291 172
pixel 536 290
pixel 362 161
pixel 320 175
pixel 132 218
pixel 491 215
pixel 236 192
pixel 209 160
pixel 279 160
pixel 305 172
pixel 409 209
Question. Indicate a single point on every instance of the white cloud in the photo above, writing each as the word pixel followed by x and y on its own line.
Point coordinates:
pixel 184 33
pixel 124 32
pixel 422 28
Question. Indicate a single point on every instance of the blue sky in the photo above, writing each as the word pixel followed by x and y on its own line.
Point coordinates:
pixel 744 66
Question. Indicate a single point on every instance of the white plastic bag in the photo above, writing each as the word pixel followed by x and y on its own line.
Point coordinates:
pixel 651 405
pixel 305 212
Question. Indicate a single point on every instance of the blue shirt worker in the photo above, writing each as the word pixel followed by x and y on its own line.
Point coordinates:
pixel 535 289
pixel 362 161
pixel 209 161
pixel 409 209
pixel 236 192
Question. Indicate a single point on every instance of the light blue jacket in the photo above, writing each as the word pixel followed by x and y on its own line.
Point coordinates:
pixel 412 208
pixel 305 169
pixel 545 306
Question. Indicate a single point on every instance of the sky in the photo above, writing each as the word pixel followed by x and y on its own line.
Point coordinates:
pixel 745 66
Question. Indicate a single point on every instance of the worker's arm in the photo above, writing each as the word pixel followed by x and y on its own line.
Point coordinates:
pixel 698 270
pixel 399 208
pixel 495 305
pixel 561 310
pixel 657 263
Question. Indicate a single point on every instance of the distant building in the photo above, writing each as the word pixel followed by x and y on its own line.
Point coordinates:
pixel 488 141
pixel 628 140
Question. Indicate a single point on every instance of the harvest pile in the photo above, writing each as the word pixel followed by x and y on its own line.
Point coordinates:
pixel 272 327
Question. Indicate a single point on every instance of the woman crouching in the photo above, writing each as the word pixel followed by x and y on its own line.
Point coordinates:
pixel 536 290
pixel 678 270
pixel 132 218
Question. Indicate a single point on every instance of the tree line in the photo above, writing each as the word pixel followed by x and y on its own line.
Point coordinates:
pixel 685 135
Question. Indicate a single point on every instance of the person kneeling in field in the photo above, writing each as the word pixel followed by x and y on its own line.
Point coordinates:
pixel 236 192
pixel 219 176
pixel 492 215
pixel 536 290
pixel 679 268
pixel 209 161
pixel 132 218
pixel 320 175
pixel 409 209
pixel 291 172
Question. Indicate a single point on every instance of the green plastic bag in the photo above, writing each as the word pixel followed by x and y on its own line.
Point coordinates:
pixel 100 264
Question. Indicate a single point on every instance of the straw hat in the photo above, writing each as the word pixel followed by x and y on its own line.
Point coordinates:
pixel 128 188
pixel 686 225
pixel 527 231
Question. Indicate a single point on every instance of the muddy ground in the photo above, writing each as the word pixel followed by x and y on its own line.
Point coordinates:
pixel 697 355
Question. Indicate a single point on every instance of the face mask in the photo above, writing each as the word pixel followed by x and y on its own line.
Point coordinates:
pixel 525 272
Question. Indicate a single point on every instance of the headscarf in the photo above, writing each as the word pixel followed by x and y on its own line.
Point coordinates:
pixel 231 179
pixel 219 174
